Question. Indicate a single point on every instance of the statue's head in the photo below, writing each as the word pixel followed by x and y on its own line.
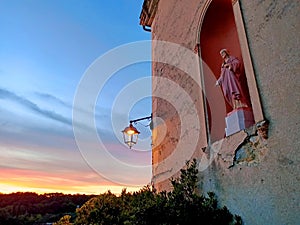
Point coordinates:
pixel 224 53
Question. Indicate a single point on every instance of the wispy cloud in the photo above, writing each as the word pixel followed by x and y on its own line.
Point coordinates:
pixel 5 94
pixel 53 99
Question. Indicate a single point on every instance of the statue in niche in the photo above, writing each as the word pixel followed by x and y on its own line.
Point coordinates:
pixel 230 81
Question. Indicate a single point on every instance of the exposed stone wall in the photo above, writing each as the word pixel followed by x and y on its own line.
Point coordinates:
pixel 256 177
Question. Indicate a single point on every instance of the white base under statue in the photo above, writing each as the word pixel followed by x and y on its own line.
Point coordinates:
pixel 238 119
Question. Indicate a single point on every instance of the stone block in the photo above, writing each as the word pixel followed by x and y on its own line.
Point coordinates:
pixel 238 119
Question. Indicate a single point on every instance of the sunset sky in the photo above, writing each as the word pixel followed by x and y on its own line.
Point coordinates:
pixel 46 48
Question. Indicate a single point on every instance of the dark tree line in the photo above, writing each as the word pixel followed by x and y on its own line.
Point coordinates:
pixel 24 208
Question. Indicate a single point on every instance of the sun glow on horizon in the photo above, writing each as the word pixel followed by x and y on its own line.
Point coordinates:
pixel 16 180
pixel 7 188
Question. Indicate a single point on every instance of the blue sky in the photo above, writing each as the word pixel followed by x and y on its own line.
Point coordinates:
pixel 46 46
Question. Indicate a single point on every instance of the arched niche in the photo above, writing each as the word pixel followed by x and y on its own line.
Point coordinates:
pixel 218 29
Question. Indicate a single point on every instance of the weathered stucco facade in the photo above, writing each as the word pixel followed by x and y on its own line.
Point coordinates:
pixel 254 172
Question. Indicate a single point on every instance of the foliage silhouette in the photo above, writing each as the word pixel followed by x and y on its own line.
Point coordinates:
pixel 181 206
pixel 24 208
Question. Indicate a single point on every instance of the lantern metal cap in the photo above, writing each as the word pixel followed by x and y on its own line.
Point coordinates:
pixel 130 130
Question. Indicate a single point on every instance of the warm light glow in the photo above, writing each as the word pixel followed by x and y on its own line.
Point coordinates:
pixel 130 132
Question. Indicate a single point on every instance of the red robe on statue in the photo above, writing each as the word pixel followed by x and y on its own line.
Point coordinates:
pixel 230 82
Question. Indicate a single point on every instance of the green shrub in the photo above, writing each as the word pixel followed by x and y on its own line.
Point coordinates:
pixel 181 206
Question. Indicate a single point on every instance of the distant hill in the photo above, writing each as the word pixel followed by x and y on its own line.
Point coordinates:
pixel 22 208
